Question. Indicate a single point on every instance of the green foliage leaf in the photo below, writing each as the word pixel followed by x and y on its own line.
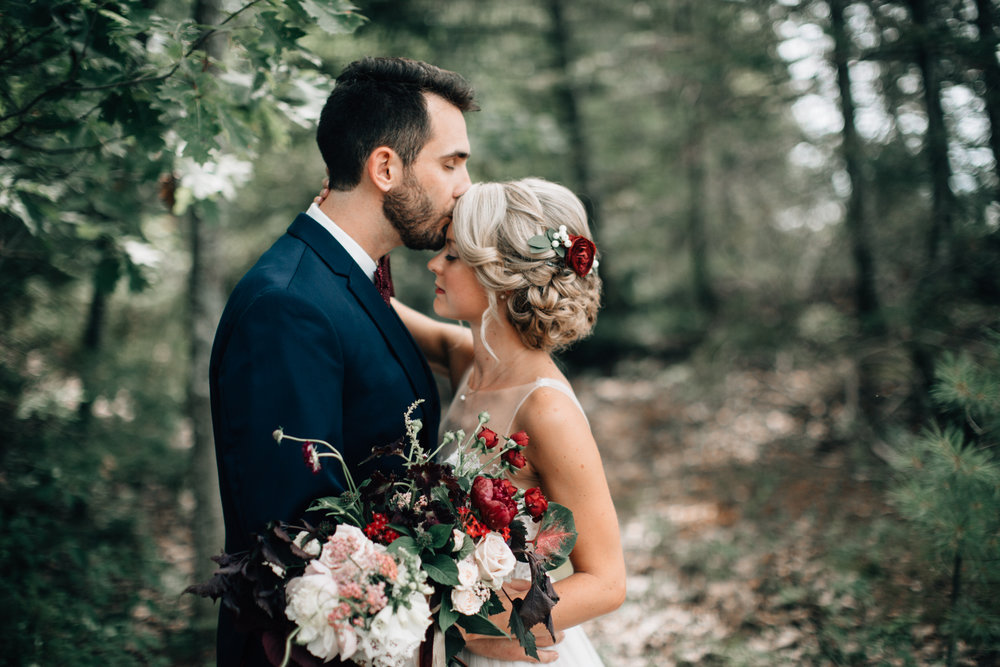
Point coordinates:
pixel 480 626
pixel 440 534
pixel 441 568
pixel 517 628
pixel 556 536
pixel 404 543
pixel 447 616
pixel 335 17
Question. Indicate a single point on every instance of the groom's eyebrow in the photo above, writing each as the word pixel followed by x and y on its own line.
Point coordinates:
pixel 463 155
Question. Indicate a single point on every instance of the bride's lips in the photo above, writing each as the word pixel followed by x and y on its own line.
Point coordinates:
pixel 438 290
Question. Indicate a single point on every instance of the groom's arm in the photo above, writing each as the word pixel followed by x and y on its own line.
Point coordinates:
pixel 446 345
pixel 283 367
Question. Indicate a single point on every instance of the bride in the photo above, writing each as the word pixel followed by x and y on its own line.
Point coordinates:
pixel 516 267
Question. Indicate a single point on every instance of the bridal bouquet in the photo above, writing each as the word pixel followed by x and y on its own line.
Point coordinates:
pixel 400 554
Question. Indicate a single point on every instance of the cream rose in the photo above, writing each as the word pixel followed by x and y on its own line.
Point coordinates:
pixel 495 560
pixel 468 572
pixel 466 601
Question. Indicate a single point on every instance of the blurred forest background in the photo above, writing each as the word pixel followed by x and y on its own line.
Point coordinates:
pixel 795 380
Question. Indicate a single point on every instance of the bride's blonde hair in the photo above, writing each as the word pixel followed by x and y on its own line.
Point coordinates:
pixel 549 305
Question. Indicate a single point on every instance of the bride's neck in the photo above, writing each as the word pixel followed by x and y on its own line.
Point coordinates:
pixel 511 361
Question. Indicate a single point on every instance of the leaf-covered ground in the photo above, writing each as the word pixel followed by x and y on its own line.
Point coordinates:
pixel 755 532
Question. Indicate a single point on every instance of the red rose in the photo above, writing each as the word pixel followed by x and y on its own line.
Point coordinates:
pixel 535 502
pixel 490 439
pixel 515 458
pixel 520 439
pixel 580 255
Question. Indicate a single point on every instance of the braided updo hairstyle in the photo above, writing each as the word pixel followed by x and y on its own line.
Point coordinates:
pixel 548 304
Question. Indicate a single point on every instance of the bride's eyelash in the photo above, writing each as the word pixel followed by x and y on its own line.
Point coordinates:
pixel 450 258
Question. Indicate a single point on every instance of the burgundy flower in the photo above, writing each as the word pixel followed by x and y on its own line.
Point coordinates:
pixel 311 457
pixel 493 502
pixel 580 255
pixel 535 502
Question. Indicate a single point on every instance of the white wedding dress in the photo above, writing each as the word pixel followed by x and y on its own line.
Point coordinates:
pixel 502 405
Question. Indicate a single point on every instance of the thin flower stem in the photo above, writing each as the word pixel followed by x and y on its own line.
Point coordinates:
pixel 288 646
pixel 334 453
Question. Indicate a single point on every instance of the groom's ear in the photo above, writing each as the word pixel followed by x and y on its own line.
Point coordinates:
pixel 384 168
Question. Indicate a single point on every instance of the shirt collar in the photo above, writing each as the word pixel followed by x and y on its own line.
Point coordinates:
pixel 358 253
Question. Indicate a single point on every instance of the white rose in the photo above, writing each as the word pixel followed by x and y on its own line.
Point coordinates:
pixel 459 538
pixel 395 634
pixel 310 600
pixel 495 559
pixel 466 601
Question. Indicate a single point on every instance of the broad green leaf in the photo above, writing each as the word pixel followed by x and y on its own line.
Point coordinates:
pixel 447 616
pixel 440 568
pixel 480 626
pixel 440 534
pixel 407 544
pixel 335 17
pixel 556 536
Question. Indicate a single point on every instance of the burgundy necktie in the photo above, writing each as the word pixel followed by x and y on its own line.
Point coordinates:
pixel 383 279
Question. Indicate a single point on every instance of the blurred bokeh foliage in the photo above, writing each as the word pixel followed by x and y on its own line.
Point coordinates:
pixel 145 162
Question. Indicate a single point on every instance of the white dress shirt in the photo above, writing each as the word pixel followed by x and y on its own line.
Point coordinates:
pixel 367 264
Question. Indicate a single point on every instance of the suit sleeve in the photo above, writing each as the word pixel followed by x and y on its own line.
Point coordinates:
pixel 283 367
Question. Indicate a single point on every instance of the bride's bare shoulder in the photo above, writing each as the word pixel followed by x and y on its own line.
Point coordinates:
pixel 551 408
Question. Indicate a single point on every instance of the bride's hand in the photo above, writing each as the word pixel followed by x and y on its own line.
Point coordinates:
pixel 324 191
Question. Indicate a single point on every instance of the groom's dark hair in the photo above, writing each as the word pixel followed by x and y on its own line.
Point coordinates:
pixel 380 102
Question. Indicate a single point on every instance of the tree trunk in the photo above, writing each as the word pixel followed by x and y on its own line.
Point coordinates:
pixel 694 162
pixel 568 108
pixel 936 146
pixel 930 287
pixel 865 297
pixel 204 309
pixel 568 105
pixel 986 22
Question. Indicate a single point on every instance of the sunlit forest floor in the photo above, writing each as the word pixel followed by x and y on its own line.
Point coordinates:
pixel 754 532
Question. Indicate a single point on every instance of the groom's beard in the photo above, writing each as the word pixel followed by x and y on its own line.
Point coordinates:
pixel 411 213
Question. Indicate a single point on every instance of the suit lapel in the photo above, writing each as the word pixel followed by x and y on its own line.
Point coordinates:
pixel 385 318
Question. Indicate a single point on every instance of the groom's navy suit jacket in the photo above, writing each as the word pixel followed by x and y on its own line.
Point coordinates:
pixel 305 343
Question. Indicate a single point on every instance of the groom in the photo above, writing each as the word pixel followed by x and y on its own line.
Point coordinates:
pixel 307 342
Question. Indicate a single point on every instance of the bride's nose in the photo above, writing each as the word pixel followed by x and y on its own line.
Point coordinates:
pixel 434 265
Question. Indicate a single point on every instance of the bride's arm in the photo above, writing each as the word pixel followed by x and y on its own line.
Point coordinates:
pixel 448 347
pixel 563 452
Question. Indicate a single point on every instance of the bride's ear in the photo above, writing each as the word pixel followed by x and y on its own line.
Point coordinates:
pixel 384 168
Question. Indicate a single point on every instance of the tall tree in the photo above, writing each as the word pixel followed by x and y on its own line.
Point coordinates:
pixel 866 300
pixel 204 309
pixel 986 59
pixel 927 35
